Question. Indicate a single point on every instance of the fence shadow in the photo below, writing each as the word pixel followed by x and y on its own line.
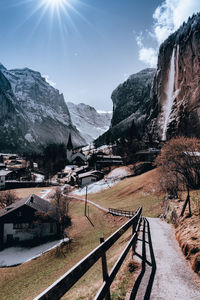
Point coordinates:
pixel 136 286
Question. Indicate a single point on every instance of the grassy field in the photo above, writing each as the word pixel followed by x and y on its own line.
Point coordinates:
pixel 28 280
pixel 133 192
pixel 25 192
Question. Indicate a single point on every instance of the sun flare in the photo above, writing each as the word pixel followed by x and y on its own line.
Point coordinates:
pixel 55 3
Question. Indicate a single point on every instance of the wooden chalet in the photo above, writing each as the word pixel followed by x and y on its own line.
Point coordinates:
pixel 28 219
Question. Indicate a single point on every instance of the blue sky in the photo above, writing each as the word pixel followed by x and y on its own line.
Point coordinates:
pixel 87 48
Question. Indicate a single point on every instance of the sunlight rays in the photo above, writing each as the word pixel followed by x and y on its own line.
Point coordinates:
pixel 60 17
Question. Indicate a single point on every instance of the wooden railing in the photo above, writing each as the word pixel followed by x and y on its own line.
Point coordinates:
pixel 64 283
pixel 120 212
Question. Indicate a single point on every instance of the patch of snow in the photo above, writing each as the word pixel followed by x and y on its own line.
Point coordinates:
pixel 119 173
pixel 29 138
pixel 18 255
pixel 96 187
pixel 45 193
pixel 38 177
pixel 69 167
pixel 104 111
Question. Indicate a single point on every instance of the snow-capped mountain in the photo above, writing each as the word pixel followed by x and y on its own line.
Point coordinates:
pixel 33 113
pixel 88 121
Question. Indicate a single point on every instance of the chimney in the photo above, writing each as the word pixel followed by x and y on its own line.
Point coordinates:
pixel 32 198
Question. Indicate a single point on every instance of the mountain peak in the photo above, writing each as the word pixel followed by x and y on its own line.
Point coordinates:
pixel 2 67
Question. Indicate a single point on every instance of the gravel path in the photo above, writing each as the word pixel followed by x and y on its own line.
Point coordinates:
pixel 88 201
pixel 174 278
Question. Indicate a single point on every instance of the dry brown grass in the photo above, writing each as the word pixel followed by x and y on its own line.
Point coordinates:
pixel 188 231
pixel 25 192
pixel 131 193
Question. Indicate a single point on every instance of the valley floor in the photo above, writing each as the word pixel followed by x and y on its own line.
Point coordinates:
pixel 174 278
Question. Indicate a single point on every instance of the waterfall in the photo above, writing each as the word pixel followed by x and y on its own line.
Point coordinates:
pixel 170 95
pixel 177 69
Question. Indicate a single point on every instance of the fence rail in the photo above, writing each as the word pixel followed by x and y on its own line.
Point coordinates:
pixel 120 212
pixel 64 283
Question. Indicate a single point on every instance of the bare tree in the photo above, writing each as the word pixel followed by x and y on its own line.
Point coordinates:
pixel 179 166
pixel 7 198
pixel 61 201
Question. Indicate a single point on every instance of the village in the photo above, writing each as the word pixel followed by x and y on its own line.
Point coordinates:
pixel 32 220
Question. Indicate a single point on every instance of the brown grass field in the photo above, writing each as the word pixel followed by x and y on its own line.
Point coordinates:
pixel 133 192
pixel 25 192
pixel 188 231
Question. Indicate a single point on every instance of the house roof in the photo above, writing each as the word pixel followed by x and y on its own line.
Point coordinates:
pixel 87 174
pixel 4 172
pixel 34 202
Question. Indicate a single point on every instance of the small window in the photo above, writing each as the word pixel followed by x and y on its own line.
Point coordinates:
pixel 17 226
pixel 19 213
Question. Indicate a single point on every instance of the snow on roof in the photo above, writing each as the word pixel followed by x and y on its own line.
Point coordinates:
pixel 4 173
pixel 87 174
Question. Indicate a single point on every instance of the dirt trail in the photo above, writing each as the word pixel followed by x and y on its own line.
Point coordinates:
pixel 174 278
pixel 91 202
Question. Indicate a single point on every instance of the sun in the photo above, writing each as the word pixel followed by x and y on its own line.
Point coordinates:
pixel 55 3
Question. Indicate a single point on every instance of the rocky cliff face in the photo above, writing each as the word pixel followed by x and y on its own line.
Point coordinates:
pixel 33 113
pixel 176 92
pixel 90 123
pixel 132 96
pixel 131 102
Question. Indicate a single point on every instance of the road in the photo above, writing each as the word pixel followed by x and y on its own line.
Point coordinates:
pixel 174 278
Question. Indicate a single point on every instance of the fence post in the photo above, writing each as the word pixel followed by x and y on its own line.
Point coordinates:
pixel 105 269
pixel 133 231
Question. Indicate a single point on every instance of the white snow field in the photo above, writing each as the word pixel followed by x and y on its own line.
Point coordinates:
pixel 112 178
pixel 18 255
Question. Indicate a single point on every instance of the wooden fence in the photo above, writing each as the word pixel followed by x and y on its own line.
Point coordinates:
pixel 120 212
pixel 64 283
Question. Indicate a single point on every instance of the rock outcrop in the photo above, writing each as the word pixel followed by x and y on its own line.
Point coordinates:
pixel 131 102
pixel 33 113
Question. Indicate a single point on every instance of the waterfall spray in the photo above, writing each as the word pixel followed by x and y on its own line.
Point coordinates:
pixel 170 95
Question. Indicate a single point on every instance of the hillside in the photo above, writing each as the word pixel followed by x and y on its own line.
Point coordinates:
pixel 130 193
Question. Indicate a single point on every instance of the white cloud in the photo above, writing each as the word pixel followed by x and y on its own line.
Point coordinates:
pixel 148 56
pixel 49 81
pixel 167 18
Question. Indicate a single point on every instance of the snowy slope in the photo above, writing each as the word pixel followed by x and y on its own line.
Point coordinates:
pixel 88 121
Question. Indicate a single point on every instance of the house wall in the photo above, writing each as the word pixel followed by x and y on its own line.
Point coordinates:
pixel 69 155
pixel 2 181
pixel 41 230
pixel 88 180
